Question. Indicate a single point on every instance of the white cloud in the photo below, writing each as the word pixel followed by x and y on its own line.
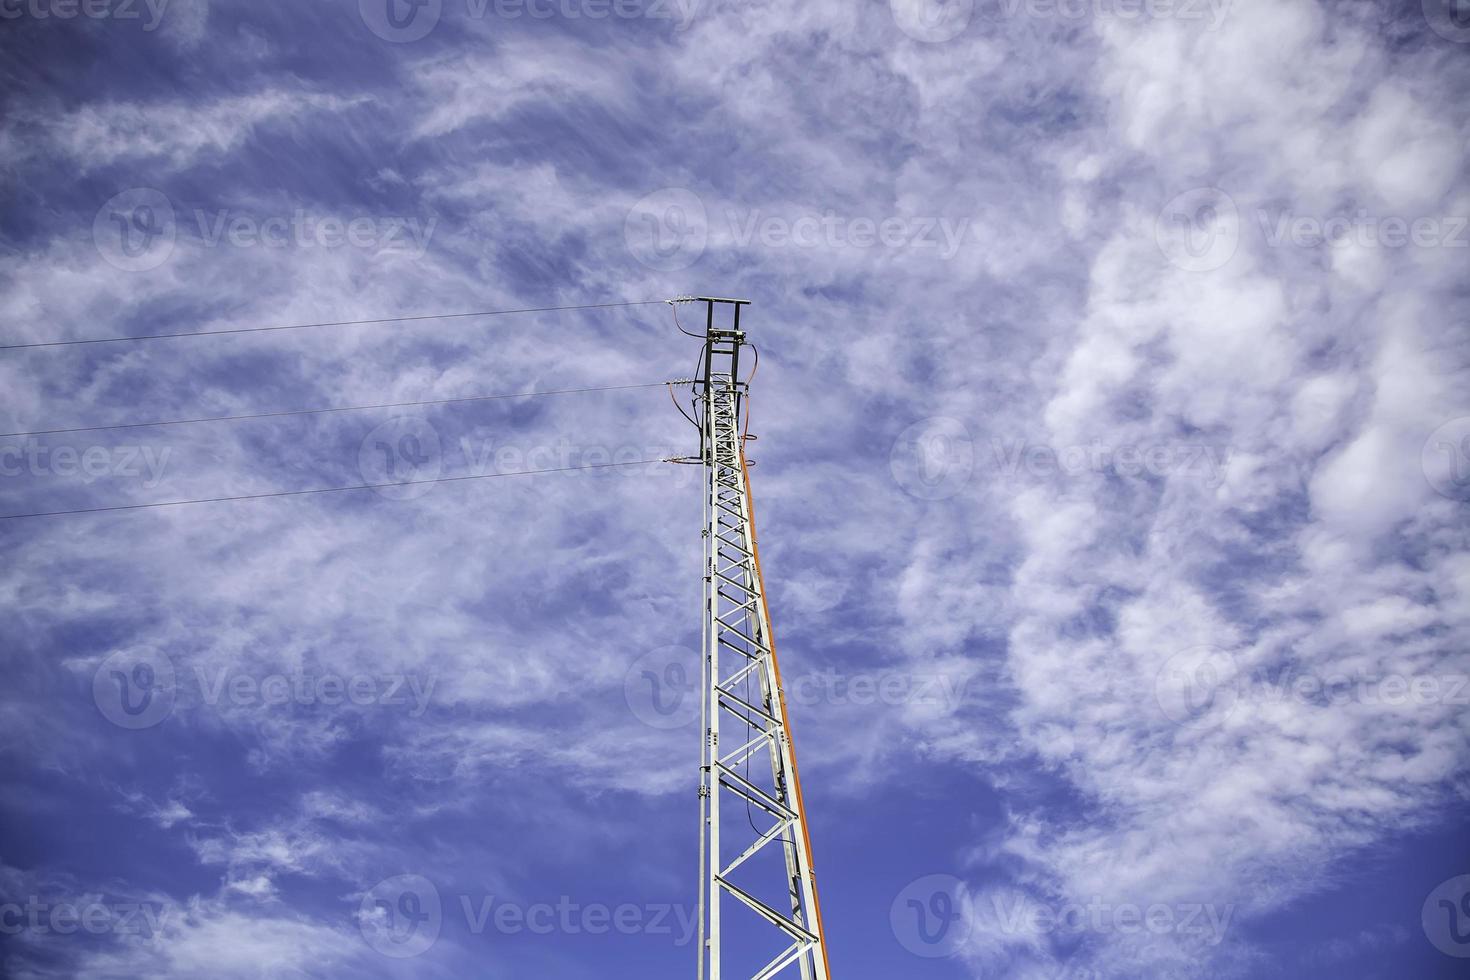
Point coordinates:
pixel 1316 374
pixel 173 135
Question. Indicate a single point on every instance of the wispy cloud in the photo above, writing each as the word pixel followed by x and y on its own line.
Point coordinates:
pixel 1094 396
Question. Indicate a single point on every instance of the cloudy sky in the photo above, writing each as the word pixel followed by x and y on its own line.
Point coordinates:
pixel 1113 473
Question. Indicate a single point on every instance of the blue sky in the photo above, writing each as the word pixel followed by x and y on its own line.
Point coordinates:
pixel 1112 475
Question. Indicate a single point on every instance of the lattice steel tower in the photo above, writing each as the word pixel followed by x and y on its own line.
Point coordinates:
pixel 755 851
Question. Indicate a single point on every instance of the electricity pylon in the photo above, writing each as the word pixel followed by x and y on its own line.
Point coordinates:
pixel 750 795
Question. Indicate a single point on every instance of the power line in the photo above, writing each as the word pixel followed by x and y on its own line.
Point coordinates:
pixel 297 493
pixel 345 408
pixel 673 305
pixel 335 323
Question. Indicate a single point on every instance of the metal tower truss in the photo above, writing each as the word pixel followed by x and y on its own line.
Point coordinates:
pixel 755 853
